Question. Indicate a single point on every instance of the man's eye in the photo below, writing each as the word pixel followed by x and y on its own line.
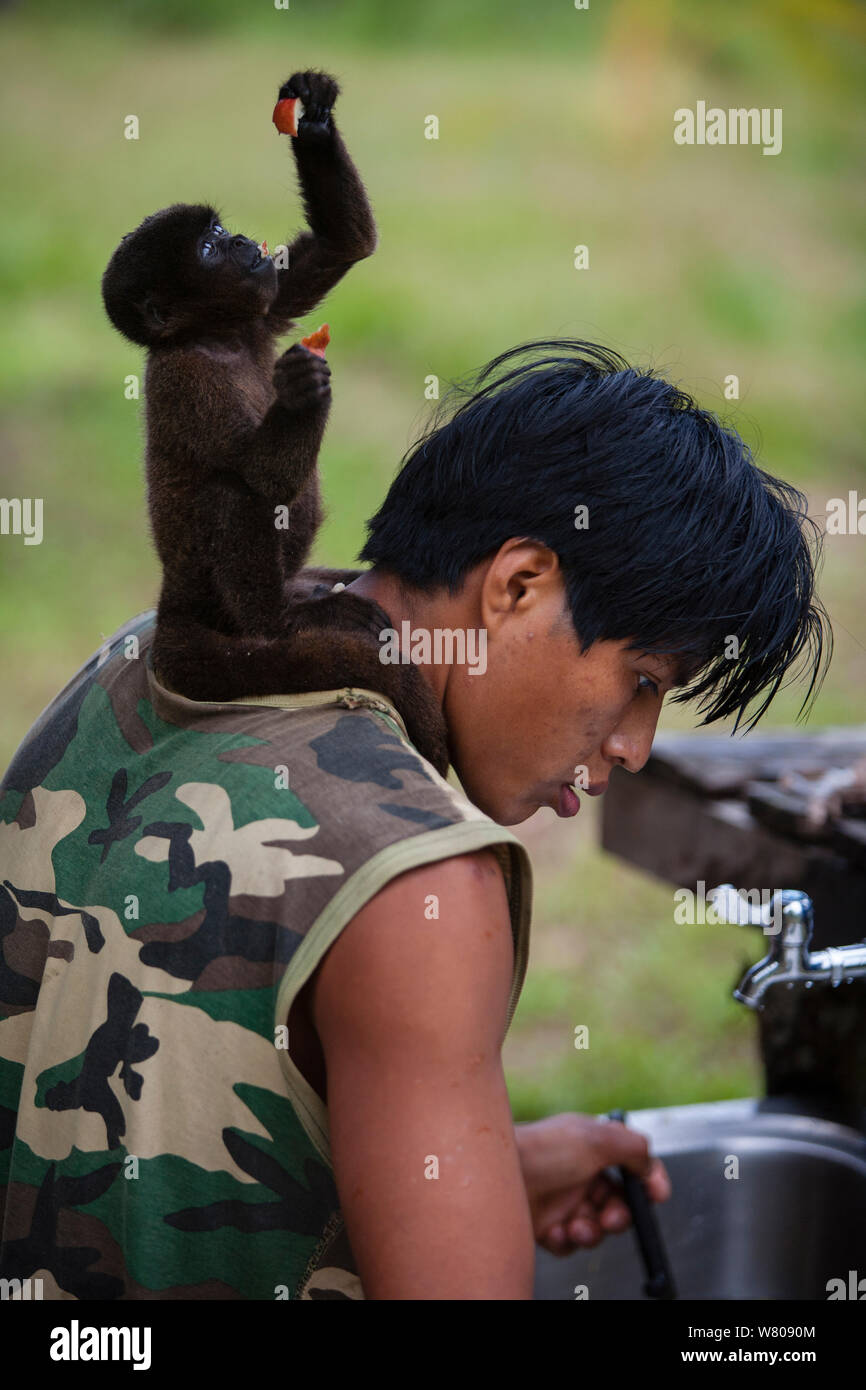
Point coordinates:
pixel 650 685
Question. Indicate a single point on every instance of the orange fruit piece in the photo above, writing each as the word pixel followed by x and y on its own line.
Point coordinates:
pixel 318 341
pixel 284 116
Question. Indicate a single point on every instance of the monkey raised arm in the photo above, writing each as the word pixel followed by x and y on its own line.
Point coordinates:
pixel 342 228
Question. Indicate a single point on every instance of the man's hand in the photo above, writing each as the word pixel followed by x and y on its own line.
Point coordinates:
pixel 573 1203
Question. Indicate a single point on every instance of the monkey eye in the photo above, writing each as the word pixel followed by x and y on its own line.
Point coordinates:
pixel 208 247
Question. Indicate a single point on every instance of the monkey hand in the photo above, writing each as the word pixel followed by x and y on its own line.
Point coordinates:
pixel 302 380
pixel 317 92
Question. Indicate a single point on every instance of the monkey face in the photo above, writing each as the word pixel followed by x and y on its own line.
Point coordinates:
pixel 181 276
pixel 228 260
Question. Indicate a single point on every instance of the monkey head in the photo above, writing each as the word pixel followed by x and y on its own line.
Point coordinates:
pixel 181 276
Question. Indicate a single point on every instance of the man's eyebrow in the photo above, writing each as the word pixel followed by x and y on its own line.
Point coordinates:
pixel 681 677
pixel 685 671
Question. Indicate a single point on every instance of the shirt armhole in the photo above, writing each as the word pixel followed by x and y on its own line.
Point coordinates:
pixel 426 848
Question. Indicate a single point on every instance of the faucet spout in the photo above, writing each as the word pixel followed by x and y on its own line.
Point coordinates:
pixel 789 960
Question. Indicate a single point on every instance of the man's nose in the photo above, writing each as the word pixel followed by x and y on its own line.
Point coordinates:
pixel 631 742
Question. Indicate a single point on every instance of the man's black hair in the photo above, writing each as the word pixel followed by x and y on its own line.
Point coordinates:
pixel 688 541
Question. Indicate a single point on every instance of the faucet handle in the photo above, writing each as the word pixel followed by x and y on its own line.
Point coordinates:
pixel 787 916
pixel 730 907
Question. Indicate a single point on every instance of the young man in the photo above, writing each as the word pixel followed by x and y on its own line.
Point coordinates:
pixel 242 1066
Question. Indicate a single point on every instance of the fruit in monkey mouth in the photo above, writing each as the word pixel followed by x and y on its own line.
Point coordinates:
pixel 318 341
pixel 284 117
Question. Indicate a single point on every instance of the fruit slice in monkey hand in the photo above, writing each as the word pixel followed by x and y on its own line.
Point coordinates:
pixel 318 341
pixel 285 118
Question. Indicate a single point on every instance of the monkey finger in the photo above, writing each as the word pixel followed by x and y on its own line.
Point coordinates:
pixel 302 390
pixel 296 86
pixel 299 352
pixel 299 407
pixel 313 88
pixel 315 115
pixel 302 367
pixel 301 381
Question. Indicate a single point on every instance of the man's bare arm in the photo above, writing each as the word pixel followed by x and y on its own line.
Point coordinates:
pixel 411 1014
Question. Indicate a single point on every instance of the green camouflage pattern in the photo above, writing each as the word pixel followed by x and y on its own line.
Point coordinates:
pixel 171 872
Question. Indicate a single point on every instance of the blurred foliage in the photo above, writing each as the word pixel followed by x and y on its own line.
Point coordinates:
pixel 654 995
pixel 725 39
pixel 555 129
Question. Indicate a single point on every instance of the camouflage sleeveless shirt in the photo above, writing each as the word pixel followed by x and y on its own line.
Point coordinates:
pixel 171 874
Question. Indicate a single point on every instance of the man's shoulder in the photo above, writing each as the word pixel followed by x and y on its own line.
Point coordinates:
pixel 44 744
pixel 338 766
pixel 343 754
pixel 324 786
pixel 430 958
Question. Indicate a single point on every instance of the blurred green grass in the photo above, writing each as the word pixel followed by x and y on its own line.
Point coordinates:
pixel 655 996
pixel 555 129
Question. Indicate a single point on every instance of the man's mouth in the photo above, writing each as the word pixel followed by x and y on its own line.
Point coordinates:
pixel 569 801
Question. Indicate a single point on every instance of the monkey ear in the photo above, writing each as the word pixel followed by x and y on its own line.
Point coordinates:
pixel 153 315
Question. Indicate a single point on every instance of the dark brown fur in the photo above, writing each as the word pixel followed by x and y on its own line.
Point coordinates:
pixel 233 436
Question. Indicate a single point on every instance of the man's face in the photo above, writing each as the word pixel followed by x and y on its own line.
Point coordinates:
pixel 543 715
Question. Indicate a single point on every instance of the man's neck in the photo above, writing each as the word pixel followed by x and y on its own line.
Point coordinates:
pixel 403 605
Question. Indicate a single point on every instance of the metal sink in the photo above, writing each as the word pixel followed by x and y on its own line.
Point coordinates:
pixel 793 1219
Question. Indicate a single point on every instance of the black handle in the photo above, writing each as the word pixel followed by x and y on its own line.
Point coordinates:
pixel 659 1280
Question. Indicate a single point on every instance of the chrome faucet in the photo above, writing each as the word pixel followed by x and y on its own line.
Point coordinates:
pixel 789 960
